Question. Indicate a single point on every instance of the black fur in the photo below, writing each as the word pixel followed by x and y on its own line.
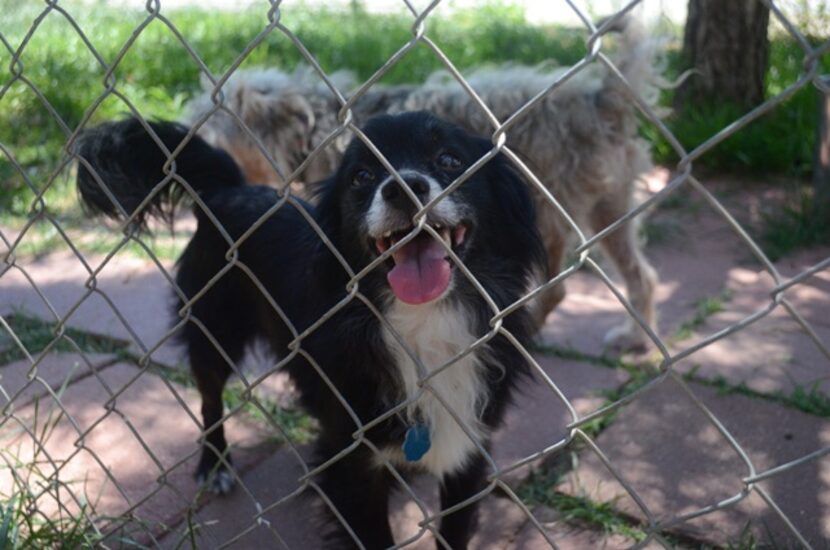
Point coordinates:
pixel 306 280
pixel 131 162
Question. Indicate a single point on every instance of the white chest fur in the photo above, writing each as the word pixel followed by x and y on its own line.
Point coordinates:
pixel 436 333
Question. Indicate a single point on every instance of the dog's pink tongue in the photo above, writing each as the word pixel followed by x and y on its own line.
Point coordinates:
pixel 421 273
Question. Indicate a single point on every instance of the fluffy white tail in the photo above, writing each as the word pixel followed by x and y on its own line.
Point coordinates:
pixel 637 60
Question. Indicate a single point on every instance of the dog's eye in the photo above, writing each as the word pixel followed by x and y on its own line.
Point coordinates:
pixel 362 177
pixel 446 161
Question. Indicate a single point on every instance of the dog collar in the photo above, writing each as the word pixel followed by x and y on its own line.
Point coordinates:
pixel 416 443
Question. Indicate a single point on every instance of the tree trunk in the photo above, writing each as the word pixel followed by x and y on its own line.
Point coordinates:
pixel 726 42
pixel 821 160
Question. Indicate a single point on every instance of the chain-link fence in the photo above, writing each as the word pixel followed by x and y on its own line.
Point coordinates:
pixel 41 447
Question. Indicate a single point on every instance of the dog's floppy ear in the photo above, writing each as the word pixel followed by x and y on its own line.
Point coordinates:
pixel 515 209
pixel 328 206
pixel 512 192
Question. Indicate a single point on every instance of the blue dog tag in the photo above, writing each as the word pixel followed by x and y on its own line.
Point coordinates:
pixel 417 443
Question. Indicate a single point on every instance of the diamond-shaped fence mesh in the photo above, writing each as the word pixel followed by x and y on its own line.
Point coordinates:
pixel 101 430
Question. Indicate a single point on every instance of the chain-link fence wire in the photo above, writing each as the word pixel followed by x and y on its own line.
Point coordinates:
pixel 66 499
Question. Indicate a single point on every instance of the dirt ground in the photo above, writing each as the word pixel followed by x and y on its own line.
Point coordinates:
pixel 743 390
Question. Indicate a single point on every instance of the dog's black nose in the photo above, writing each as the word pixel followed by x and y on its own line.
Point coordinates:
pixel 393 194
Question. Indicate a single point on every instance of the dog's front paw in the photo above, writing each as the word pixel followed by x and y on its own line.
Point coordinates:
pixel 626 338
pixel 220 482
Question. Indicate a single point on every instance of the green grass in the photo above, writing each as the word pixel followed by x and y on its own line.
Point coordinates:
pixel 298 426
pixel 639 373
pixel 91 238
pixel 704 308
pixel 23 522
pixel 36 335
pixel 799 224
pixel 561 352
pixel 22 526
pixel 747 541
pixel 158 76
pixel 662 231
pixel 810 400
pixel 639 376
pixel 539 489
pixel 779 142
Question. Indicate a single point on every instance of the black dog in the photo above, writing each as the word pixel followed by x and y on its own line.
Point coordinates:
pixel 353 357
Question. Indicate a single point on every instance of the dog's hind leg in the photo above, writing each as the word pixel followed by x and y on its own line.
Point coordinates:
pixel 211 372
pixel 458 527
pixel 216 339
pixel 640 278
pixel 223 322
pixel 551 297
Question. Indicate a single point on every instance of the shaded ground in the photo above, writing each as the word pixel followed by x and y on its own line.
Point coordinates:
pixel 125 437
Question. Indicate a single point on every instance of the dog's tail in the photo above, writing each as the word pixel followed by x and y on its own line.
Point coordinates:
pixel 637 60
pixel 121 161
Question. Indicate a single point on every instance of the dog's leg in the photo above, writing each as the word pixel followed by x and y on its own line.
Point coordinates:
pixel 360 492
pixel 211 372
pixel 458 527
pixel 224 316
pixel 550 298
pixel 226 319
pixel 640 278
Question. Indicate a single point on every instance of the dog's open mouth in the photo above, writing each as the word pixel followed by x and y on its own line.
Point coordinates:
pixel 422 267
